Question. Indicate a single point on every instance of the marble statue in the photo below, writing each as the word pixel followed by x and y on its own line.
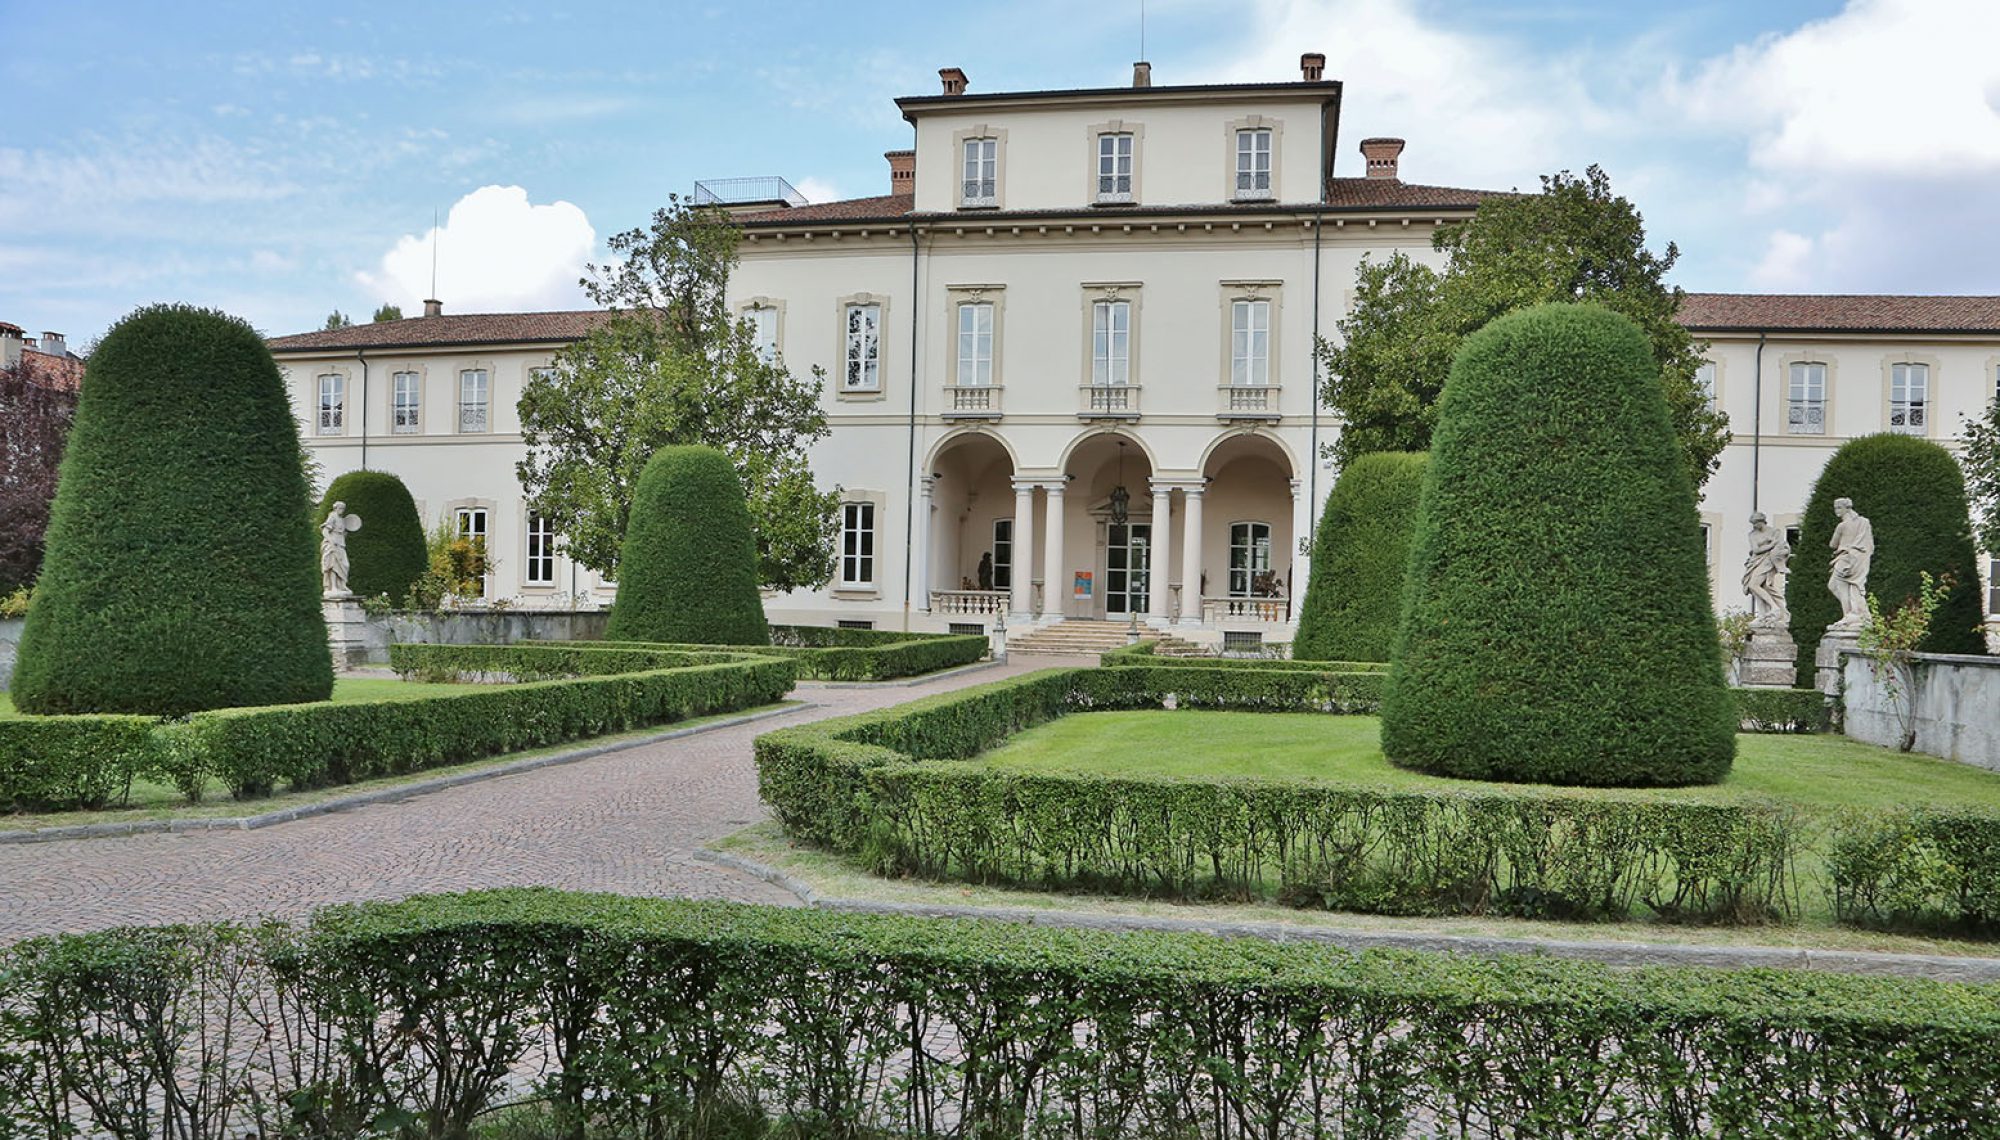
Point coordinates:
pixel 333 549
pixel 1853 546
pixel 1764 572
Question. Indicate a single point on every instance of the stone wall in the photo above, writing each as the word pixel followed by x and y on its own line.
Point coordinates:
pixel 481 628
pixel 10 640
pixel 1958 707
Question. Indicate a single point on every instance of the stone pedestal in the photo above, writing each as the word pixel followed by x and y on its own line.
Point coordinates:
pixel 1770 659
pixel 346 631
pixel 1827 660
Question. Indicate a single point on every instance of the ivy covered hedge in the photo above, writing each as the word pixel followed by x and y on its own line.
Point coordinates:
pixel 836 659
pixel 81 762
pixel 673 1017
pixel 1919 868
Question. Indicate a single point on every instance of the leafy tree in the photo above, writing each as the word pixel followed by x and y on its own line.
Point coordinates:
pixel 183 567
pixel 1980 455
pixel 673 366
pixel 34 423
pixel 1360 558
pixel 690 565
pixel 337 320
pixel 388 312
pixel 387 555
pixel 1557 627
pixel 1575 241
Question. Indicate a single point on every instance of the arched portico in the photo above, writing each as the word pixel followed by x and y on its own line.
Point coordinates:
pixel 1241 544
pixel 1100 559
pixel 969 502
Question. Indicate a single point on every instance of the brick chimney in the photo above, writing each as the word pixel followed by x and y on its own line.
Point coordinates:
pixel 1381 155
pixel 55 344
pixel 954 80
pixel 902 171
pixel 433 307
pixel 1142 74
pixel 1312 67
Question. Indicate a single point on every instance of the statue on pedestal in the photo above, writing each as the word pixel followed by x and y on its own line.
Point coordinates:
pixel 333 549
pixel 1853 546
pixel 1764 572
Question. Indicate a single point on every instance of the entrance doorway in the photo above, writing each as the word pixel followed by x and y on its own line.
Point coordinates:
pixel 1128 568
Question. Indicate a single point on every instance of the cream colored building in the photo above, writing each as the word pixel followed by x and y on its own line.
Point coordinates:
pixel 1073 342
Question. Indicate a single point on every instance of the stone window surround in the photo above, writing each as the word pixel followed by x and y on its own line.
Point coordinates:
pixel 1715 362
pixel 1115 127
pixel 994 295
pixel 492 509
pixel 1250 290
pixel 346 399
pixel 488 366
pixel 881 389
pixel 422 369
pixel 778 330
pixel 525 510
pixel 1931 379
pixel 860 591
pixel 1810 356
pixel 958 141
pixel 1252 123
pixel 1713 522
pixel 1095 291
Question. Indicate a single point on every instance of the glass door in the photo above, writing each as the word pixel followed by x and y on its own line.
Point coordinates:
pixel 1128 569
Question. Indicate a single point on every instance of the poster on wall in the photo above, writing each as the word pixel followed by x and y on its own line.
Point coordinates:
pixel 1083 585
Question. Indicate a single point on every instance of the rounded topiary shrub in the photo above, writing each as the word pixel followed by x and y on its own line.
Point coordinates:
pixel 1557 626
pixel 688 569
pixel 387 555
pixel 183 568
pixel 1354 598
pixel 1913 495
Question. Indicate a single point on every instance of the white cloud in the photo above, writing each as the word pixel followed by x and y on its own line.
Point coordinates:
pixel 1786 264
pixel 820 190
pixel 496 251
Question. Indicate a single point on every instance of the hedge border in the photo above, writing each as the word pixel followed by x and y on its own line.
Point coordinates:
pixel 1144 653
pixel 1783 710
pixel 898 655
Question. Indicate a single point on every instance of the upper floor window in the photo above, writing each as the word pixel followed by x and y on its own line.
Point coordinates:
pixel 975 343
pixel 1110 342
pixel 982 161
pixel 541 565
pixel 1114 168
pixel 1250 343
pixel 408 396
pixel 863 360
pixel 332 404
pixel 1806 413
pixel 1909 397
pixel 1704 382
pixel 1253 163
pixel 473 394
pixel 763 332
pixel 857 544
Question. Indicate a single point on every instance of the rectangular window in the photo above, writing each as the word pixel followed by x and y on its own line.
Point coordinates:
pixel 1111 343
pixel 472 396
pixel 1909 397
pixel 763 332
pixel 1704 382
pixel 854 623
pixel 1250 561
pixel 1993 586
pixel 332 404
pixel 471 523
pixel 1003 554
pixel 1250 343
pixel 857 544
pixel 1253 164
pixel 541 568
pixel 407 390
pixel 864 349
pixel 1114 168
pixel 1807 412
pixel 975 343
pixel 981 166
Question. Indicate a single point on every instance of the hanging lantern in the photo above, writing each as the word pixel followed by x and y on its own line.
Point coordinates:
pixel 1121 499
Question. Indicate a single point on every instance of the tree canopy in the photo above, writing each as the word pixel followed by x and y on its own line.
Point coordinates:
pixel 1980 454
pixel 388 312
pixel 1575 241
pixel 673 366
pixel 337 320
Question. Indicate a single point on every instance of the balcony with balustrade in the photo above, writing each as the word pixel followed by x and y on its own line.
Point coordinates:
pixel 971 402
pixel 1109 402
pixel 1240 402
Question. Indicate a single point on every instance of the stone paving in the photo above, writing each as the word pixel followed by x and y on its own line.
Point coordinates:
pixel 628 822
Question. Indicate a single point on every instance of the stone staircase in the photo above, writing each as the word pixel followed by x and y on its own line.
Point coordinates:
pixel 1079 638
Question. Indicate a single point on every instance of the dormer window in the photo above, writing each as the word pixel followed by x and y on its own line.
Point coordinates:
pixel 1253 163
pixel 1114 167
pixel 982 165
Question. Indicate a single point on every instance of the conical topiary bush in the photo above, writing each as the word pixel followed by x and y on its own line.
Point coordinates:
pixel 387 555
pixel 1557 627
pixel 1355 596
pixel 183 568
pixel 688 569
pixel 1913 495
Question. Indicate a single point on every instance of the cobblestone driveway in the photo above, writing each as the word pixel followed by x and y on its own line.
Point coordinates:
pixel 628 822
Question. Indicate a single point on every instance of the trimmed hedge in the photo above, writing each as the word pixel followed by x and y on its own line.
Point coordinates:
pixel 74 762
pixel 1558 627
pixel 687 571
pixel 1913 495
pixel 387 555
pixel 881 786
pixel 909 655
pixel 676 1017
pixel 537 661
pixel 183 568
pixel 1782 710
pixel 1361 554
pixel 1921 868
pixel 1143 654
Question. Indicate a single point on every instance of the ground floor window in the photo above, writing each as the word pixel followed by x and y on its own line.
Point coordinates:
pixel 1250 561
pixel 1003 554
pixel 1993 586
pixel 857 544
pixel 1128 568
pixel 470 523
pixel 541 568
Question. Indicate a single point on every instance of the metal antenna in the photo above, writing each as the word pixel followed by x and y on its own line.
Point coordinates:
pixel 1142 29
pixel 437 239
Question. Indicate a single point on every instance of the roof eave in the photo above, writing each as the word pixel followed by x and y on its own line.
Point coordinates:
pixel 913 106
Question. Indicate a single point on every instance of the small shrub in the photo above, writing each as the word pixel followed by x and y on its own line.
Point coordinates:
pixel 687 571
pixel 387 555
pixel 1918 868
pixel 1783 710
pixel 1355 597
pixel 15 604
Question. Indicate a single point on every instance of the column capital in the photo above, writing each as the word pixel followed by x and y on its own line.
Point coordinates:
pixel 1167 483
pixel 1056 488
pixel 1026 486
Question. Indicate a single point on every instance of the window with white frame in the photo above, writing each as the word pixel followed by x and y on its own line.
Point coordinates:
pixel 763 332
pixel 470 522
pixel 863 370
pixel 1806 411
pixel 857 544
pixel 1250 343
pixel 1003 554
pixel 474 390
pixel 1114 167
pixel 332 404
pixel 1110 343
pixel 541 564
pixel 1253 163
pixel 1250 560
pixel 1704 382
pixel 975 343
pixel 1909 397
pixel 406 393
pixel 981 169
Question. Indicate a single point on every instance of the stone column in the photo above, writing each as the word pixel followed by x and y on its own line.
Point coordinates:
pixel 1055 588
pixel 921 565
pixel 1022 584
pixel 1191 556
pixel 1162 570
pixel 1299 557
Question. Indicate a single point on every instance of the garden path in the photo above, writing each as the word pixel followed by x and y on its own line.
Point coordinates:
pixel 628 822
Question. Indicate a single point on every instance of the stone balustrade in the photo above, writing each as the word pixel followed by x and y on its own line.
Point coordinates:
pixel 969 603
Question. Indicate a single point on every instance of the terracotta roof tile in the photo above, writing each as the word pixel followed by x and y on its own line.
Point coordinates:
pixel 462 328
pixel 1392 193
pixel 1831 312
pixel 880 208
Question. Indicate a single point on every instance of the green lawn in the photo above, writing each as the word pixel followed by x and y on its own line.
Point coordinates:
pixel 346 690
pixel 1816 771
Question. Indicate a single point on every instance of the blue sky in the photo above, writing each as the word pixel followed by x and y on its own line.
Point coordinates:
pixel 280 161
